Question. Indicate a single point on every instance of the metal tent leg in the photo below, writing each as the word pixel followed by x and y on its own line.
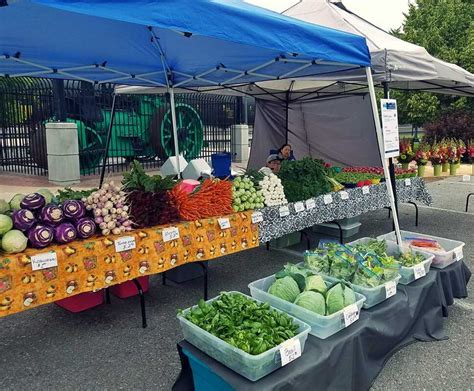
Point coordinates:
pixel 467 200
pixel 308 241
pixel 107 143
pixel 142 301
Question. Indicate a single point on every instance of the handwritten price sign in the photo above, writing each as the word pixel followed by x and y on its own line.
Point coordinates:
pixel 170 233
pixel 125 243
pixel 290 351
pixel 44 261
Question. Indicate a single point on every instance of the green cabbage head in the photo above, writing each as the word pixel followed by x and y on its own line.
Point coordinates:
pixel 315 283
pixel 312 301
pixel 285 288
pixel 335 299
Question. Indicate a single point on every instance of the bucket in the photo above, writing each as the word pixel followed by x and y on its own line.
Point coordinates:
pixel 221 163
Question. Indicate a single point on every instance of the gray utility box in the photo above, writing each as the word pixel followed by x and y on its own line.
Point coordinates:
pixel 184 273
pixel 350 227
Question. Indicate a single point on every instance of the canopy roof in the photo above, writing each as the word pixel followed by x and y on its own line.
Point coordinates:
pixel 157 43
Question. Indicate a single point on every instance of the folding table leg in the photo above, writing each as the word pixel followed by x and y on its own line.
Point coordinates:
pixel 416 213
pixel 467 200
pixel 205 270
pixel 142 301
pixel 107 295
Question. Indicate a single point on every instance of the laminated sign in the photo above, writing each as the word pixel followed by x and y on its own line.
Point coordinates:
pixel 391 138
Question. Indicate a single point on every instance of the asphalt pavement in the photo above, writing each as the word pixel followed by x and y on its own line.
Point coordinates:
pixel 106 348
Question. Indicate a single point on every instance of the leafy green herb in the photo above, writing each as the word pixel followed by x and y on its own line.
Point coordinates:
pixel 138 179
pixel 73 194
pixel 243 323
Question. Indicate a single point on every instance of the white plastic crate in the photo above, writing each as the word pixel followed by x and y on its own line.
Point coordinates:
pixel 407 274
pixel 321 326
pixel 453 248
pixel 253 367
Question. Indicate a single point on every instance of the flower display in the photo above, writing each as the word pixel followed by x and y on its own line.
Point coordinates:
pixel 406 151
pixel 453 151
pixel 436 154
pixel 422 154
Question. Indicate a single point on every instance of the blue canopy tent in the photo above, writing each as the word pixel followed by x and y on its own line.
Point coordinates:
pixel 171 44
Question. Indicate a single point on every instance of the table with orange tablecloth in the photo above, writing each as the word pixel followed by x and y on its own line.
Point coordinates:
pixel 93 264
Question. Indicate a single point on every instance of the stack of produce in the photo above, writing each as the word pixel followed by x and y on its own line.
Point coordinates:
pixel 304 179
pixel 310 291
pixel 212 198
pixel 149 198
pixel 272 190
pixel 109 208
pixel 245 195
pixel 243 323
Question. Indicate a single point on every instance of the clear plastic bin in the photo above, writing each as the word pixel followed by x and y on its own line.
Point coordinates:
pixel 321 326
pixel 250 366
pixel 452 253
pixel 407 273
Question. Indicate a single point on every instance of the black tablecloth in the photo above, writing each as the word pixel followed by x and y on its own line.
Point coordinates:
pixel 352 358
pixel 453 283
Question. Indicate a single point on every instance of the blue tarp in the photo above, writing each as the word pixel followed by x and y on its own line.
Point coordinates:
pixel 203 42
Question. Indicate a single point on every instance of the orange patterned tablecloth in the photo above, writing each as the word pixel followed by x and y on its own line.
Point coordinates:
pixel 93 264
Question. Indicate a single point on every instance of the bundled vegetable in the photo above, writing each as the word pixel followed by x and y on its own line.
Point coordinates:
pixel 245 196
pixel 243 323
pixel 317 260
pixel 148 209
pixel 23 219
pixel 74 209
pixel 213 198
pixel 52 214
pixel 40 236
pixel 65 233
pixel 110 209
pixel 85 228
pixel 33 202
pixel 73 194
pixel 272 190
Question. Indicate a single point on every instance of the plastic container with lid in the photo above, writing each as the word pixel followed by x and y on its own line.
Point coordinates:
pixel 452 249
pixel 408 274
pixel 321 326
pixel 253 367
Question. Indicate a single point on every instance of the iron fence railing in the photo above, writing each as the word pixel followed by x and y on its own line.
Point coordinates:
pixel 142 124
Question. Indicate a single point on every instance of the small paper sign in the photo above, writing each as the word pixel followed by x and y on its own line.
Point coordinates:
pixel 419 271
pixel 299 207
pixel 44 261
pixel 365 189
pixel 466 178
pixel 351 314
pixel 344 195
pixel 407 182
pixel 257 217
pixel 170 233
pixel 224 223
pixel 290 351
pixel 310 204
pixel 284 211
pixel 125 243
pixel 327 199
pixel 458 255
pixel 390 289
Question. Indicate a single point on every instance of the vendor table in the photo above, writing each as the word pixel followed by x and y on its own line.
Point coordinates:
pixel 454 280
pixel 359 201
pixel 96 263
pixel 348 360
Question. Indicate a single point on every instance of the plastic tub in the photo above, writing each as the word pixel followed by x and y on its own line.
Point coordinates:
pixel 82 301
pixel 453 248
pixel 407 273
pixel 250 366
pixel 128 288
pixel 321 326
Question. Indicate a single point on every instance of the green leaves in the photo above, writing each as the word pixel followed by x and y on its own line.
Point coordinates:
pixel 243 323
pixel 138 179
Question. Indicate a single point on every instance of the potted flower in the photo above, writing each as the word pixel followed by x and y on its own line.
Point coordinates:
pixel 443 148
pixel 406 153
pixel 422 156
pixel 470 153
pixel 461 150
pixel 453 156
pixel 436 158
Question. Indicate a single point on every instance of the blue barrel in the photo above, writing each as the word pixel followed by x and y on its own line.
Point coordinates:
pixel 221 163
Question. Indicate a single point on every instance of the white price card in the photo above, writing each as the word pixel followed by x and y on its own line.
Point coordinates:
pixel 44 261
pixel 299 207
pixel 284 211
pixel 344 195
pixel 170 233
pixel 407 182
pixel 257 217
pixel 466 178
pixel 224 223
pixel 365 189
pixel 310 204
pixel 351 314
pixel 458 255
pixel 327 199
pixel 290 351
pixel 390 289
pixel 419 271
pixel 125 243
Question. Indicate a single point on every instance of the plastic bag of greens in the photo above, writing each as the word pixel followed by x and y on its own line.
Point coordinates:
pixel 343 264
pixel 368 275
pixel 391 268
pixel 317 260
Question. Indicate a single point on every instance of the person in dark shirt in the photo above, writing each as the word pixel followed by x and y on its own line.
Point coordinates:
pixel 286 153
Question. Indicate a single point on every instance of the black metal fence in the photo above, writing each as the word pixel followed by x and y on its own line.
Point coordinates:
pixel 142 124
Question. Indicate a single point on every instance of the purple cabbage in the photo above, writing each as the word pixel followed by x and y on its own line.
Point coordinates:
pixel 85 227
pixel 74 209
pixel 51 214
pixel 33 202
pixel 65 233
pixel 23 219
pixel 40 236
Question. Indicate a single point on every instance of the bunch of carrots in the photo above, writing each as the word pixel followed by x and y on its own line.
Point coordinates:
pixel 212 198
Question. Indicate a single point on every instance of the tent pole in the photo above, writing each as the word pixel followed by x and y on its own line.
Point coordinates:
pixel 175 131
pixel 378 130
pixel 391 166
pixel 107 143
pixel 286 115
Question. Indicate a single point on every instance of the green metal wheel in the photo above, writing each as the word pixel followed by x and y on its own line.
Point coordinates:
pixel 189 129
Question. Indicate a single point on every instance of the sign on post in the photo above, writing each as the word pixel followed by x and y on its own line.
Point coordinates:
pixel 391 138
